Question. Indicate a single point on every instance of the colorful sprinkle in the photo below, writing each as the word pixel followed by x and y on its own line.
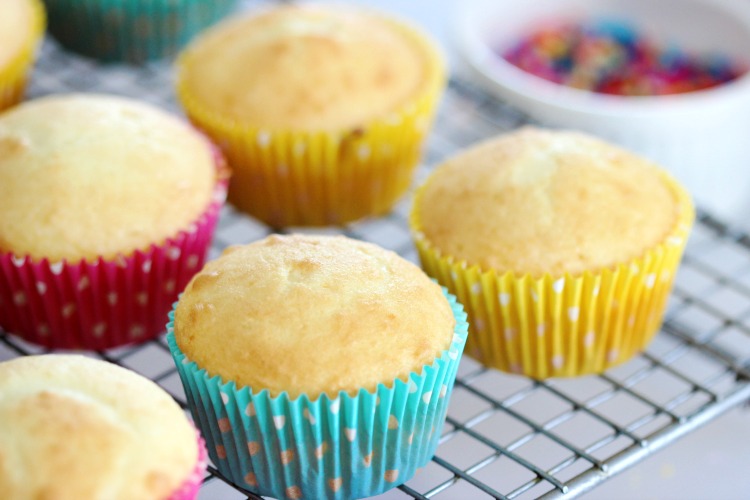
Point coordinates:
pixel 612 57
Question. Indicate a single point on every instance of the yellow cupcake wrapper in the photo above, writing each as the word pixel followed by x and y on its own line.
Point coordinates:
pixel 14 75
pixel 293 177
pixel 562 325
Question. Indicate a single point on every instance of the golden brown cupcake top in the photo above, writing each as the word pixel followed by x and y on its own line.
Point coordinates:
pixel 311 315
pixel 308 67
pixel 88 175
pixel 538 202
pixel 16 27
pixel 73 427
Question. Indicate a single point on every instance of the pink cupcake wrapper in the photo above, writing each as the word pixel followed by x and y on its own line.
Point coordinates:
pixel 189 489
pixel 105 303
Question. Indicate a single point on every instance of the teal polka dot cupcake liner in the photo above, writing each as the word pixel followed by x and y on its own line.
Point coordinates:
pixel 350 446
pixel 131 30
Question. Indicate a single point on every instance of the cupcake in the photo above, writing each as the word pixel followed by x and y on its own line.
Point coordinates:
pixel 108 208
pixel 134 31
pixel 321 111
pixel 21 31
pixel 317 367
pixel 561 247
pixel 73 427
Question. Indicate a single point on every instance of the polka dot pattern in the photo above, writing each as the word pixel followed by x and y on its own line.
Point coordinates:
pixel 293 492
pixel 83 283
pixel 263 138
pixel 391 475
pixel 279 421
pixel 573 313
pixel 253 447
pixel 224 425
pixel 558 361
pixel 363 152
pixel 334 406
pixel 68 310
pixel 309 416
pixel 250 410
pixel 443 390
pixel 335 484
pixel 392 422
pixel 321 450
pixel 526 324
pixel 328 448
pixel 589 338
pixel 137 331
pixel 173 253
pixel 99 329
pixel 102 304
pixel 286 456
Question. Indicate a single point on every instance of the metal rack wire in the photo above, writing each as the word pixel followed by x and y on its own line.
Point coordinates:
pixel 507 436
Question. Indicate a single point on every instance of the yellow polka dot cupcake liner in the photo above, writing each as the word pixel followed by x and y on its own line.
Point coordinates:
pixel 14 75
pixel 348 446
pixel 314 178
pixel 562 326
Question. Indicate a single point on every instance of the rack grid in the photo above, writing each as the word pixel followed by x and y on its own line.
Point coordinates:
pixel 506 436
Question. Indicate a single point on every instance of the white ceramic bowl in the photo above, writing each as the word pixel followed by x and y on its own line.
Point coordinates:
pixel 703 137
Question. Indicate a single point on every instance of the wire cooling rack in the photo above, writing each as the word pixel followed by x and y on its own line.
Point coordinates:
pixel 506 436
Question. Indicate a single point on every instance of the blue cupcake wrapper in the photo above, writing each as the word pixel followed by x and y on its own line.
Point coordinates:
pixel 343 447
pixel 131 30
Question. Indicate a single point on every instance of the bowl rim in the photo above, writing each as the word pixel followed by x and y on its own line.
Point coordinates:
pixel 509 81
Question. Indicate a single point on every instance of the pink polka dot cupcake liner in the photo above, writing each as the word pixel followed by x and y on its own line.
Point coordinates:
pixel 189 488
pixel 105 303
pixel 348 446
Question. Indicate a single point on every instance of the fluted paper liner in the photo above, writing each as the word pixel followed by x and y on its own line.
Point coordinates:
pixel 562 325
pixel 134 31
pixel 105 303
pixel 188 490
pixel 294 177
pixel 14 75
pixel 351 446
